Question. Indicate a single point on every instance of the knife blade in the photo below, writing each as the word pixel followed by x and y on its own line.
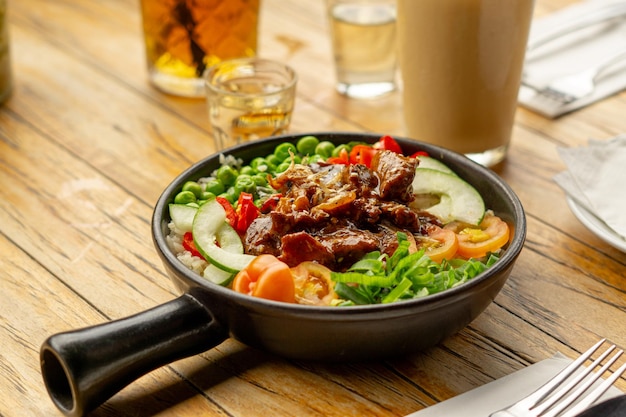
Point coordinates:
pixel 605 14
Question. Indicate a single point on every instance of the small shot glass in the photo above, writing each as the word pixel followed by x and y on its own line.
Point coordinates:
pixel 249 99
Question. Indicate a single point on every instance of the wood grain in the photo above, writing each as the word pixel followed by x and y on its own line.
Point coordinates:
pixel 87 146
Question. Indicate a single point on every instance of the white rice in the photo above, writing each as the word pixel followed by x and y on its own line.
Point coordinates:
pixel 175 242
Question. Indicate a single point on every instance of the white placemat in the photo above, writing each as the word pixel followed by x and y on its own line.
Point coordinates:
pixel 572 53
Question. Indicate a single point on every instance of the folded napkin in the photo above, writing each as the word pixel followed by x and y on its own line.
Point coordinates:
pixel 571 53
pixel 596 180
pixel 498 394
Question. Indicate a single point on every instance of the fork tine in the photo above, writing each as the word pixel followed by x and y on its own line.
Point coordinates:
pixel 536 397
pixel 562 391
pixel 569 400
pixel 557 95
pixel 595 394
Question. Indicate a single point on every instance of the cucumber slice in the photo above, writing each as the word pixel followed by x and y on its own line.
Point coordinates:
pixel 432 163
pixel 457 199
pixel 217 276
pixel 209 230
pixel 182 215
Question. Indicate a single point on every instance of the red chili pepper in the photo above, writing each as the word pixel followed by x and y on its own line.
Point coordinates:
pixel 271 203
pixel 246 212
pixel 190 246
pixel 387 143
pixel 231 216
pixel 362 154
pixel 342 158
pixel 419 153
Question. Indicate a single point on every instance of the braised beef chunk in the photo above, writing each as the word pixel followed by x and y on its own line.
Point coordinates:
pixel 400 215
pixel 335 214
pixel 396 173
pixel 348 244
pixel 362 179
pixel 300 247
pixel 262 238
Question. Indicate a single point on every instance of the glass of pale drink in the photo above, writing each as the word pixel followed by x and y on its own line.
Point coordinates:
pixel 184 37
pixel 363 34
pixel 249 99
pixel 461 63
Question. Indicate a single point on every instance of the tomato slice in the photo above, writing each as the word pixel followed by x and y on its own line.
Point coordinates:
pixel 419 153
pixel 387 143
pixel 266 277
pixel 476 241
pixel 440 244
pixel 362 154
pixel 313 284
pixel 246 212
pixel 271 203
pixel 189 245
pixel 231 216
pixel 342 158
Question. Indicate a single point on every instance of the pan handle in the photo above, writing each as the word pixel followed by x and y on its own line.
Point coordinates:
pixel 83 368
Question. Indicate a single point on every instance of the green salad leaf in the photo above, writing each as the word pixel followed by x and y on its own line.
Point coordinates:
pixel 378 278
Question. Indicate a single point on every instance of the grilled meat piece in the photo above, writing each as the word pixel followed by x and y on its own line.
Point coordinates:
pixel 335 214
pixel 396 173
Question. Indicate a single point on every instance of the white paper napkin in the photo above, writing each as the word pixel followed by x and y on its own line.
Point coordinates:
pixel 572 53
pixel 596 179
pixel 496 395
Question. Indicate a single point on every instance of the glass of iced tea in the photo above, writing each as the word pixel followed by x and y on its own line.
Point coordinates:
pixel 363 34
pixel 249 99
pixel 184 37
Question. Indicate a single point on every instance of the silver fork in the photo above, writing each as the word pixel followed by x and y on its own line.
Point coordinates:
pixel 553 398
pixel 578 85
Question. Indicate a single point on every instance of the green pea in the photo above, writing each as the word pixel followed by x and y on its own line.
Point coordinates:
pixel 324 149
pixel 338 149
pixel 307 144
pixel 247 170
pixel 245 184
pixel 194 187
pixel 313 159
pixel 260 179
pixel 283 167
pixel 227 175
pixel 185 197
pixel 273 160
pixel 256 162
pixel 206 196
pixel 214 186
pixel 263 168
pixel 284 150
pixel 230 195
pixel 259 164
pixel 296 159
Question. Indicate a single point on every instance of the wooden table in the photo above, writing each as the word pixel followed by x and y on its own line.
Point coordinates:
pixel 87 145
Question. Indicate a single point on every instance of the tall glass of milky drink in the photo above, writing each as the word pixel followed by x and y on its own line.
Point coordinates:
pixel 461 63
pixel 184 37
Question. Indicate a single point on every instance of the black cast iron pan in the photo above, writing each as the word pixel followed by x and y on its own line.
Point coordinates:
pixel 85 367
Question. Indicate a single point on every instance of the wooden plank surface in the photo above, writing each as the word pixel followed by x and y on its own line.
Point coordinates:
pixel 87 146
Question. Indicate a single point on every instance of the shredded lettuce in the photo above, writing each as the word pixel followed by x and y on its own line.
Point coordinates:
pixel 377 278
